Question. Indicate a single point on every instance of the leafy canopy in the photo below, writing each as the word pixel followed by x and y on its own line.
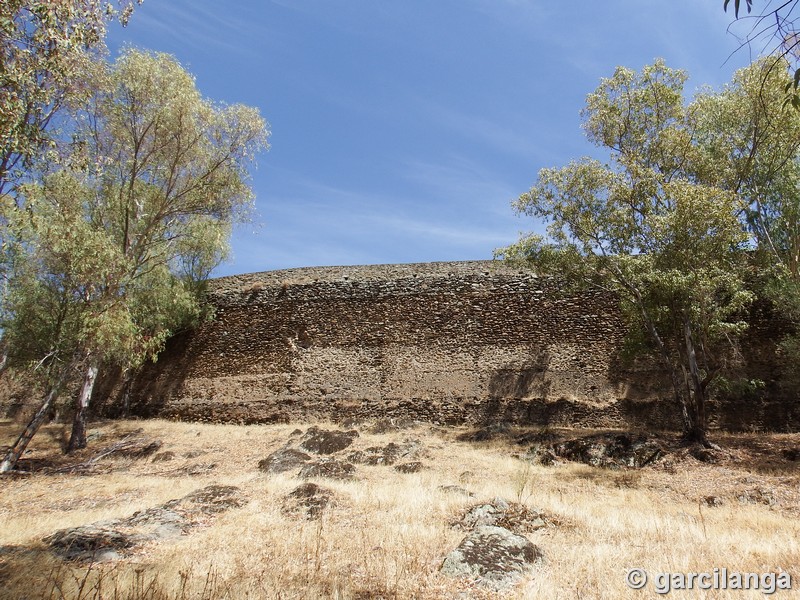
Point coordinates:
pixel 112 245
pixel 659 224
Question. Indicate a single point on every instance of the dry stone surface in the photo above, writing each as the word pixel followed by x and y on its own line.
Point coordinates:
pixel 602 450
pixel 475 342
pixel 309 499
pixel 493 556
pixel 112 539
pixel 323 441
pixel 329 468
pixel 409 467
pixel 283 460
pixel 513 516
pixel 385 455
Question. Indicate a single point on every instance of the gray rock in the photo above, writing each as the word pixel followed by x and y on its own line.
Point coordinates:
pixel 310 499
pixel 90 542
pixel 322 441
pixel 385 455
pixel 112 539
pixel 607 450
pixel 211 499
pixel 329 468
pixel 456 489
pixel 757 496
pixel 493 556
pixel 164 456
pixel 283 460
pixel 409 467
pixel 513 516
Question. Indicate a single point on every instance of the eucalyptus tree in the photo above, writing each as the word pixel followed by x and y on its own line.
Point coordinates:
pixel 657 224
pixel 117 240
pixel 754 144
pixel 44 49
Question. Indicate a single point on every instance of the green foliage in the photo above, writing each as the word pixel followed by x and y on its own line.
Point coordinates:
pixel 46 48
pixel 112 247
pixel 664 224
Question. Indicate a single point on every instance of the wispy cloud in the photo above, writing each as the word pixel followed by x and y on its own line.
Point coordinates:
pixel 457 212
pixel 202 25
pixel 505 134
pixel 460 182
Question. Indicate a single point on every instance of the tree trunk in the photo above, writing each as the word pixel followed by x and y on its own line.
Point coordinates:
pixel 656 337
pixel 17 450
pixel 78 438
pixel 697 431
pixel 4 360
pixel 130 376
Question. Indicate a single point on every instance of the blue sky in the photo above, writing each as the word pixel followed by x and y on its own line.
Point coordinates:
pixel 401 131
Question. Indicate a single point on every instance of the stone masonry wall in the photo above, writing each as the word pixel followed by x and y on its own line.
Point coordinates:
pixel 461 342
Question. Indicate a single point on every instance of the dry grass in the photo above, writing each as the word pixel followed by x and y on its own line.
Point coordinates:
pixel 387 533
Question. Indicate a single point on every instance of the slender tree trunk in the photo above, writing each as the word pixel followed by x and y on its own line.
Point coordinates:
pixel 3 360
pixel 17 450
pixel 130 376
pixel 78 438
pixel 662 348
pixel 698 430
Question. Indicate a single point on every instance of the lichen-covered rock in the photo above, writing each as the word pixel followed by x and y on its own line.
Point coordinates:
pixel 456 490
pixel 513 516
pixel 323 441
pixel 109 540
pixel 329 468
pixel 308 498
pixel 283 460
pixel 90 542
pixel 409 467
pixel 613 451
pixel 211 499
pixel 385 455
pixel 493 556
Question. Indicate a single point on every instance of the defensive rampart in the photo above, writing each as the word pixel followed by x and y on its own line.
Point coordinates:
pixel 440 342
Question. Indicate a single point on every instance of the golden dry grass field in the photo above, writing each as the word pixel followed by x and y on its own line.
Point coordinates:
pixel 387 532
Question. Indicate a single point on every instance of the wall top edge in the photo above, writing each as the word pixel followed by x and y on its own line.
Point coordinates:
pixel 384 272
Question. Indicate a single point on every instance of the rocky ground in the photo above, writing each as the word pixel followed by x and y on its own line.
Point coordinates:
pixel 156 509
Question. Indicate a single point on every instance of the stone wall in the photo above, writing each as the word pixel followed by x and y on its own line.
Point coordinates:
pixel 460 342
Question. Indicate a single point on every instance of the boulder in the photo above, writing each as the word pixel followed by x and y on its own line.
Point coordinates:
pixel 108 540
pixel 211 499
pixel 493 556
pixel 308 498
pixel 409 467
pixel 283 460
pixel 456 489
pixel 96 542
pixel 610 450
pixel 322 441
pixel 513 516
pixel 385 455
pixel 329 468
